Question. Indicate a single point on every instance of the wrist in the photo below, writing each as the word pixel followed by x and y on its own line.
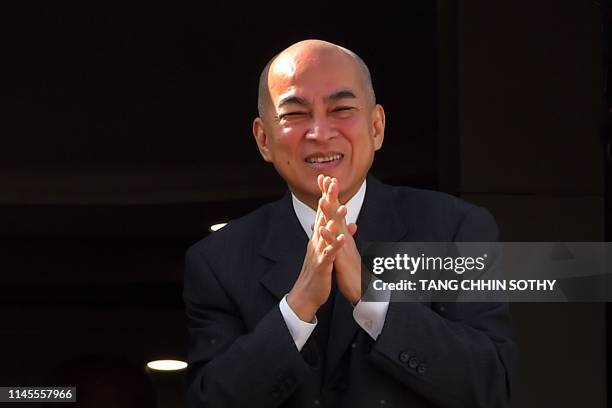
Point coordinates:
pixel 354 297
pixel 304 310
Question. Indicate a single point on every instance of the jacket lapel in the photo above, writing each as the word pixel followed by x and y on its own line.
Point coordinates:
pixel 285 245
pixel 378 221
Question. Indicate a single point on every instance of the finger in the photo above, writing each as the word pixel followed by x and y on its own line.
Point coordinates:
pixel 330 251
pixel 334 227
pixel 321 242
pixel 341 212
pixel 329 206
pixel 332 192
pixel 338 214
pixel 318 221
pixel 328 236
pixel 340 217
pixel 326 182
pixel 352 228
pixel 326 209
pixel 327 239
pixel 332 181
pixel 320 179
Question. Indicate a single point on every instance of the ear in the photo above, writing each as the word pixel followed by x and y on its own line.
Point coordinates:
pixel 262 139
pixel 378 126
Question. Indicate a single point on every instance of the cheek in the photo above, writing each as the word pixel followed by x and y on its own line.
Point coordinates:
pixel 288 144
pixel 355 130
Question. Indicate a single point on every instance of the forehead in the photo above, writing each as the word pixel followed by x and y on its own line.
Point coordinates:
pixel 314 75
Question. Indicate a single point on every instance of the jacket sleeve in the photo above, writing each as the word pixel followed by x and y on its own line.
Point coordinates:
pixel 228 366
pixel 452 354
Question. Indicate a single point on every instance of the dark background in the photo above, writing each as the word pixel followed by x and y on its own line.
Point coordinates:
pixel 127 132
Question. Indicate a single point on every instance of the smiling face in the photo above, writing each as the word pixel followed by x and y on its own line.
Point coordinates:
pixel 319 119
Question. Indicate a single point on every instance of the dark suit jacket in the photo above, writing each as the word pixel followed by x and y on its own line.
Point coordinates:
pixel 428 354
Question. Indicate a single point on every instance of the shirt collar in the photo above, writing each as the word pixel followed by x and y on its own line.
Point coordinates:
pixel 306 215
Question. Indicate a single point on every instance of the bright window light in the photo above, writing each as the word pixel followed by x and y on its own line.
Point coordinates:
pixel 217 227
pixel 167 365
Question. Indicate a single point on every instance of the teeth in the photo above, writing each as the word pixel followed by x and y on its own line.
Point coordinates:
pixel 324 159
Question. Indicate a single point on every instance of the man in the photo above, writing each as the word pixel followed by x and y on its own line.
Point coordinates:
pixel 274 298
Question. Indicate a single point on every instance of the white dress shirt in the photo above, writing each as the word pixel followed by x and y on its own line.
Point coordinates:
pixel 369 315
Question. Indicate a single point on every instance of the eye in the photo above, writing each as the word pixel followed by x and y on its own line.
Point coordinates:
pixel 292 115
pixel 343 111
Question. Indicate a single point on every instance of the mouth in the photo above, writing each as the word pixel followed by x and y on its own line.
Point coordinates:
pixel 323 158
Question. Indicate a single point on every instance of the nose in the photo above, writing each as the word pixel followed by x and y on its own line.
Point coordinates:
pixel 321 130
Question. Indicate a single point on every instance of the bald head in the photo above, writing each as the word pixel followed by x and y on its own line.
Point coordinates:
pixel 318 115
pixel 289 59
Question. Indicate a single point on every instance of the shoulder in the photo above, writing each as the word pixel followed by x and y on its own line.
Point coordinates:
pixel 219 259
pixel 443 216
pixel 241 233
pixel 429 202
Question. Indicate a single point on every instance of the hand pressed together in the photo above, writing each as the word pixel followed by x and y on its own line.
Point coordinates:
pixel 347 262
pixel 330 249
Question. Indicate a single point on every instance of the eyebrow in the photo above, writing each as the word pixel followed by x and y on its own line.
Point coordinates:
pixel 343 94
pixel 292 100
pixel 296 100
